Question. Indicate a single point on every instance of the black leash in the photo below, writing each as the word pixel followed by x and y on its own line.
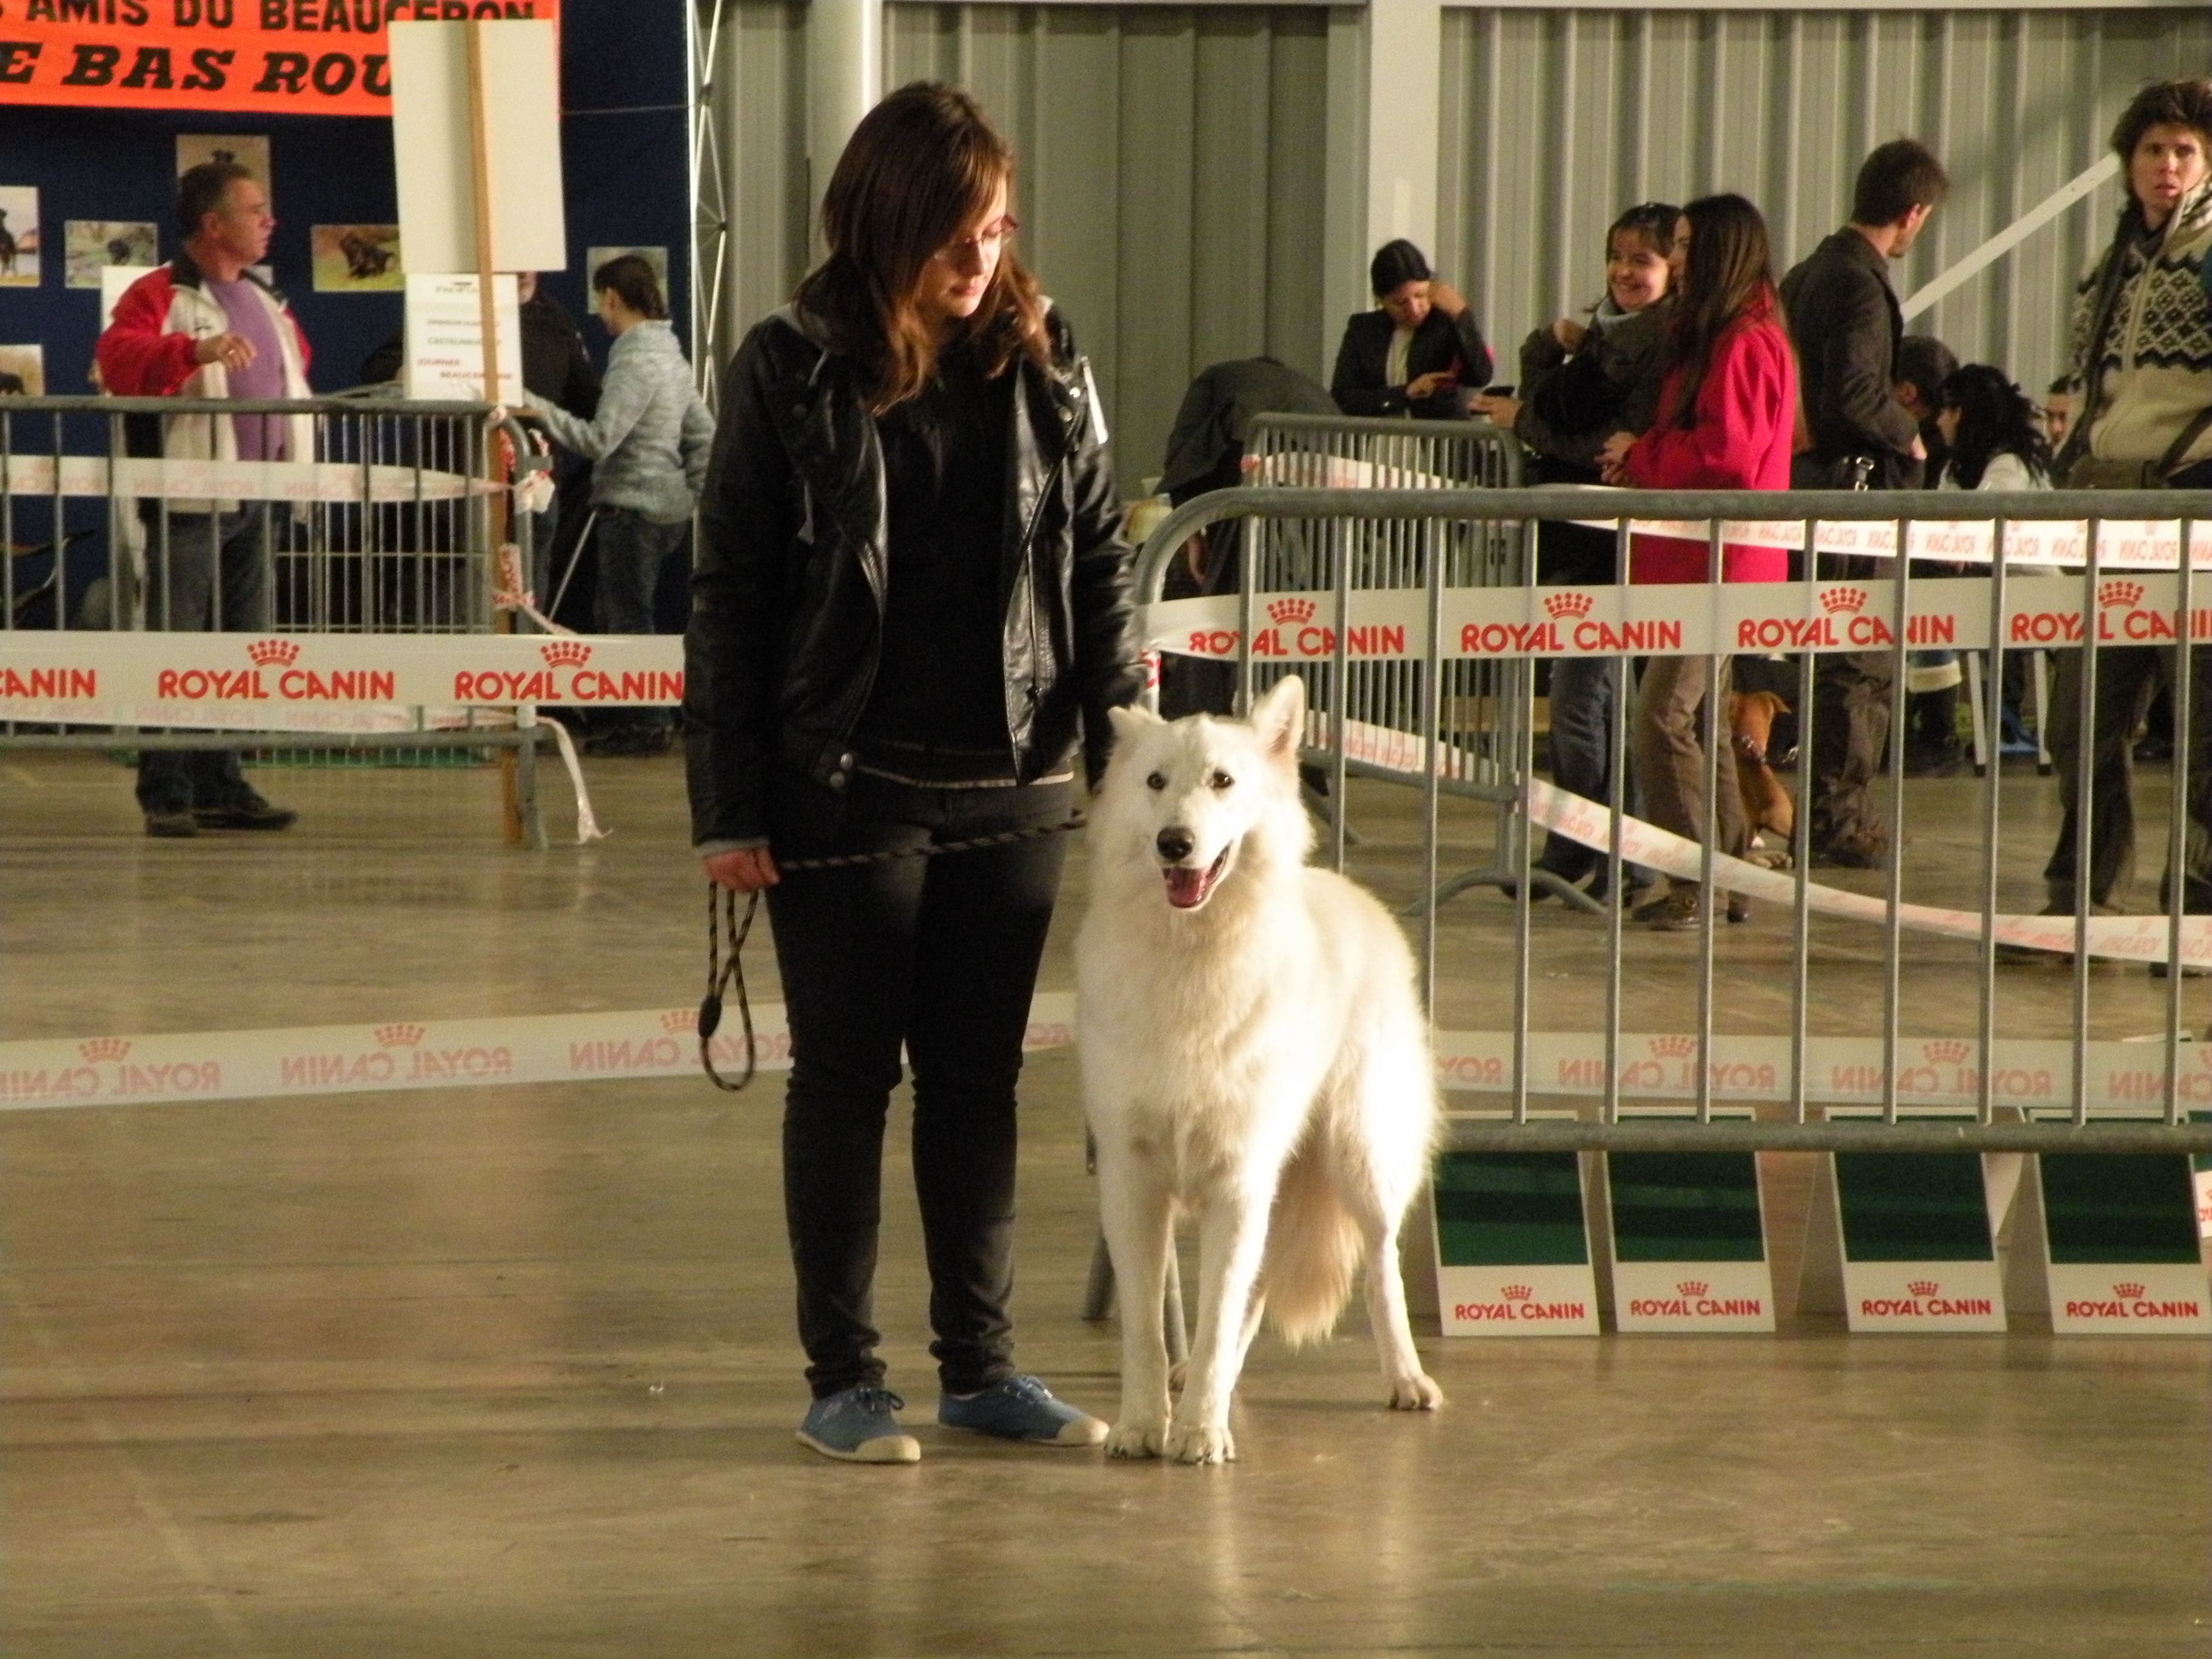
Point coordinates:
pixel 725 926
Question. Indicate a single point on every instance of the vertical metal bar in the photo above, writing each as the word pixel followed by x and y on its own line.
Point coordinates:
pixel 1708 910
pixel 1893 944
pixel 1801 850
pixel 1339 689
pixel 2085 818
pixel 1616 872
pixel 1986 1033
pixel 1433 760
pixel 2183 696
pixel 1521 699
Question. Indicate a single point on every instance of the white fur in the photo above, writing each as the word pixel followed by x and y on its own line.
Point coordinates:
pixel 1261 1060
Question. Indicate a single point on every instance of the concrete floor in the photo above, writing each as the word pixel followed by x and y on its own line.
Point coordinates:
pixel 508 1370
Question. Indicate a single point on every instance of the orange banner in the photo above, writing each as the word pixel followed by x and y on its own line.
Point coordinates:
pixel 276 57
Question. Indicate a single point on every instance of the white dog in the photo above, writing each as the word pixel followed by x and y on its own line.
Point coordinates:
pixel 1252 1049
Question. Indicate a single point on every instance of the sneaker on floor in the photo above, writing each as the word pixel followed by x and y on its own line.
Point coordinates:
pixel 249 812
pixel 171 826
pixel 855 1425
pixel 1020 1408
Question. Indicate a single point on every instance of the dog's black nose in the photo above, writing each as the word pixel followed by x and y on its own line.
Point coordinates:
pixel 1175 845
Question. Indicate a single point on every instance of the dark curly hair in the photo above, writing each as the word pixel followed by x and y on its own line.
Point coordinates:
pixel 1995 417
pixel 2163 104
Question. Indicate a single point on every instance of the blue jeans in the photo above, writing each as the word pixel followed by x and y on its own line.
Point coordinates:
pixel 208 574
pixel 1582 754
pixel 632 550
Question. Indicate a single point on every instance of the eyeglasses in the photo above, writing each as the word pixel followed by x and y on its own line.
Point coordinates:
pixel 988 240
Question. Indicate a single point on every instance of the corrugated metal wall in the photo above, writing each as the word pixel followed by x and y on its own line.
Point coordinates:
pixel 1170 189
pixel 1174 157
pixel 1553 121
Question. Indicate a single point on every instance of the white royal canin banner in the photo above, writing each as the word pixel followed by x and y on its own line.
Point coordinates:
pixel 315 682
pixel 2152 1299
pixel 1692 1296
pixel 1681 619
pixel 1924 1295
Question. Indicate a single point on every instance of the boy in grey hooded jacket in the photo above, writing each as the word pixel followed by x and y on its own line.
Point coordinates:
pixel 650 440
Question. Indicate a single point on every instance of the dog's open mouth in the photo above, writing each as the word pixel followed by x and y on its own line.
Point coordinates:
pixel 1188 889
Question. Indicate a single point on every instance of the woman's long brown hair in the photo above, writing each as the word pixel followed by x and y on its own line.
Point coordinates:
pixel 1729 271
pixel 917 171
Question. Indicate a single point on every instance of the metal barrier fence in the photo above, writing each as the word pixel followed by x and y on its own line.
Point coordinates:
pixel 1407 590
pixel 380 517
pixel 1382 695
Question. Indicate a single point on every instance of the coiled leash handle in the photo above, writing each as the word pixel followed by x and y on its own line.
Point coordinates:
pixel 722 922
pixel 724 929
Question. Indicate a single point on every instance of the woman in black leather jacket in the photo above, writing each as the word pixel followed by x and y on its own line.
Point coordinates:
pixel 1418 353
pixel 911 611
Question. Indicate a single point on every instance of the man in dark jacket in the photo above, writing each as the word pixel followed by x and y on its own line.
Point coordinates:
pixel 1205 452
pixel 1846 324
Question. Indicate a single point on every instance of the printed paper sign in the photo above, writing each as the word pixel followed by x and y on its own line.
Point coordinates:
pixel 445 339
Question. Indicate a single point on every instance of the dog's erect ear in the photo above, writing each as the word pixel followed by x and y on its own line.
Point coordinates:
pixel 1128 722
pixel 1280 718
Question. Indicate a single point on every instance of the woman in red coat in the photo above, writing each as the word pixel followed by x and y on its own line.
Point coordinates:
pixel 1727 415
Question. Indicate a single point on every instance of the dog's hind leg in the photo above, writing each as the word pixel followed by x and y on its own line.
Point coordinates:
pixel 1411 1389
pixel 1138 1213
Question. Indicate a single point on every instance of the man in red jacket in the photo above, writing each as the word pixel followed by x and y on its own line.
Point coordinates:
pixel 205 326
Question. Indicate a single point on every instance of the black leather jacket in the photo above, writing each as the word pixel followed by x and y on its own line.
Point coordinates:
pixel 788 599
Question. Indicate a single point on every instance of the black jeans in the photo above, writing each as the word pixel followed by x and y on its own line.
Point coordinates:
pixel 939 955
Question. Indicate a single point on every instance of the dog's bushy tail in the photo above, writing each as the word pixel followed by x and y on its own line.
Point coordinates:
pixel 1314 1248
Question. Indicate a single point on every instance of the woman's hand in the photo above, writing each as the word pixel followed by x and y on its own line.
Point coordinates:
pixel 747 870
pixel 1428 386
pixel 1613 459
pixel 1445 297
pixel 1570 333
pixel 1500 411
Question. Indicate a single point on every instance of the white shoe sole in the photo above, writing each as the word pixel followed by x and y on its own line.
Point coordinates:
pixel 883 1449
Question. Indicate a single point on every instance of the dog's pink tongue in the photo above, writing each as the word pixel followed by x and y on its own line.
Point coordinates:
pixel 1185 887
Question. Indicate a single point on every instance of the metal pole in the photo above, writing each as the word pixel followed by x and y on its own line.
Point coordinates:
pixel 2085 821
pixel 1986 1029
pixel 2183 696
pixel 1616 872
pixel 1708 911
pixel 1801 850
pixel 1893 934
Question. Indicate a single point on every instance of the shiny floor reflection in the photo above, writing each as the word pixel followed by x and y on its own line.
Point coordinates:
pixel 508 1370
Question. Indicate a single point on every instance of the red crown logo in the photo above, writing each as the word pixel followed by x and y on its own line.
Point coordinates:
pixel 1692 1288
pixel 566 653
pixel 267 653
pixel 398 1037
pixel 2120 593
pixel 1950 1052
pixel 1835 600
pixel 680 1019
pixel 2127 1293
pixel 1674 1047
pixel 1516 1292
pixel 1568 605
pixel 1291 611
pixel 1924 1287
pixel 102 1049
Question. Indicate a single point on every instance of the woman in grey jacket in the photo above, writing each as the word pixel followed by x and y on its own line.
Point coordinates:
pixel 651 438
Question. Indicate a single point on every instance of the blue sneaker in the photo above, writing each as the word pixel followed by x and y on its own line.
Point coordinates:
pixel 856 1427
pixel 1020 1408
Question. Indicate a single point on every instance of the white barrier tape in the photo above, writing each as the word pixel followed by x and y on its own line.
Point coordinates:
pixel 332 1060
pixel 2122 544
pixel 2124 938
pixel 2125 1078
pixel 1301 469
pixel 587 824
pixel 510 593
pixel 162 679
pixel 269 480
pixel 1676 619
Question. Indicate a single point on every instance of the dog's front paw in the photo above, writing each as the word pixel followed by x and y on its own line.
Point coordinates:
pixel 1136 1437
pixel 1201 1442
pixel 1416 1393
